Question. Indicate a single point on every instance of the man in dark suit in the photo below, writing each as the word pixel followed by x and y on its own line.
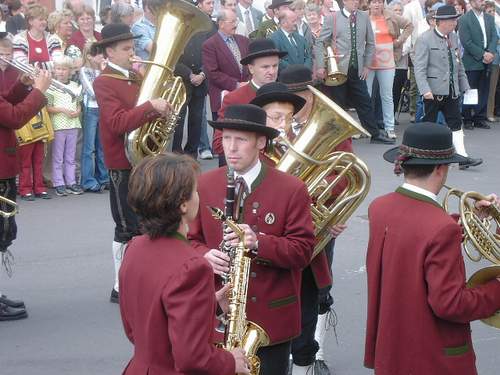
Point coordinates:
pixel 221 57
pixel 479 39
pixel 249 15
pixel 288 39
pixel 196 88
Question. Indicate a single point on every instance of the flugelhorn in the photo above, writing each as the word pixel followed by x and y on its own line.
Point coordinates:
pixel 4 204
pixel 32 71
pixel 334 77
pixel 481 238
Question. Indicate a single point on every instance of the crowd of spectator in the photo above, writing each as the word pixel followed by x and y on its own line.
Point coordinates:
pixel 210 66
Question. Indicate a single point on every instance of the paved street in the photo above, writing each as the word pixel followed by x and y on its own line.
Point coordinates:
pixel 64 272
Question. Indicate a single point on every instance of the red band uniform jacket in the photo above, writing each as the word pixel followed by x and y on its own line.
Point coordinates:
pixel 17 107
pixel 278 210
pixel 167 304
pixel 118 113
pixel 418 306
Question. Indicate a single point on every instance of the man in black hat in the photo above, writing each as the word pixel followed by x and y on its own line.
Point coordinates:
pixel 262 62
pixel 116 91
pixel 268 27
pixel 441 78
pixel 274 211
pixel 419 307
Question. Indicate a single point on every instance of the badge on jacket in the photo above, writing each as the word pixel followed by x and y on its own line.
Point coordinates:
pixel 269 218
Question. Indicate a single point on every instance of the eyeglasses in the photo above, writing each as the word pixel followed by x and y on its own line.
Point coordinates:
pixel 281 118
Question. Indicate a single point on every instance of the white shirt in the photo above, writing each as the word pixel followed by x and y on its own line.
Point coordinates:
pixel 125 72
pixel 251 175
pixel 420 191
pixel 480 18
pixel 243 14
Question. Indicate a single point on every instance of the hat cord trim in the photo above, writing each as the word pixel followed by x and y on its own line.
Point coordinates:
pixel 408 152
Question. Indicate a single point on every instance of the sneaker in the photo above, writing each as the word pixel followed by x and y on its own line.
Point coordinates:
pixel 391 134
pixel 61 191
pixel 28 197
pixel 206 155
pixel 74 189
pixel 43 195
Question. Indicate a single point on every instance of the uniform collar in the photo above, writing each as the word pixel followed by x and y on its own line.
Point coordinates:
pixel 439 34
pixel 346 13
pixel 119 69
pixel 418 193
pixel 251 175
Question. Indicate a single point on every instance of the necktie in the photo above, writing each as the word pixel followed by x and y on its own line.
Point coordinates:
pixel 248 21
pixel 233 47
pixel 241 194
pixel 292 40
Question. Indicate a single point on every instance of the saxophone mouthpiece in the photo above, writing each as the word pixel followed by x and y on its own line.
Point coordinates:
pixel 217 213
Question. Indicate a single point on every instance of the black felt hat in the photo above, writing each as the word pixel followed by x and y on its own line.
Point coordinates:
pixel 277 92
pixel 277 3
pixel 425 144
pixel 112 33
pixel 296 77
pixel 261 48
pixel 245 117
pixel 446 12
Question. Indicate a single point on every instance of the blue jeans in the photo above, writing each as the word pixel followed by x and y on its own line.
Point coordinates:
pixel 385 78
pixel 94 172
pixel 204 142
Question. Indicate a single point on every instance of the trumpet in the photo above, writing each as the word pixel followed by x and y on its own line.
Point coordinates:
pixel 4 204
pixel 32 71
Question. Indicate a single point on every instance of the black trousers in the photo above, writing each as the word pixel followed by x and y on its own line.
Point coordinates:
pixel 196 102
pixel 313 301
pixel 325 299
pixel 400 78
pixel 449 106
pixel 126 225
pixel 356 91
pixel 274 359
pixel 304 347
pixel 8 227
pixel 480 80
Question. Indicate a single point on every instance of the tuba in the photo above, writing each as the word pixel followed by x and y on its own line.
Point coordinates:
pixel 334 77
pixel 311 159
pixel 480 240
pixel 177 22
pixel 239 332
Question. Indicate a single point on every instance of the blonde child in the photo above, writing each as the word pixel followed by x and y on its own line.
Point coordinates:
pixel 94 173
pixel 65 116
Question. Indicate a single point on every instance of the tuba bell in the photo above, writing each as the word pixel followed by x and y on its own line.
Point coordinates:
pixel 177 22
pixel 481 239
pixel 311 159
pixel 334 77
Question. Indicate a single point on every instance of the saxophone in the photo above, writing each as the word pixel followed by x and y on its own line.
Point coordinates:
pixel 239 332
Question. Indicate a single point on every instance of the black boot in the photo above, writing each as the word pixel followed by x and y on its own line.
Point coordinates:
pixel 114 297
pixel 18 304
pixel 10 313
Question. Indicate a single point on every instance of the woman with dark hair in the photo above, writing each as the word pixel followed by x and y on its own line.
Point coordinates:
pixel 167 295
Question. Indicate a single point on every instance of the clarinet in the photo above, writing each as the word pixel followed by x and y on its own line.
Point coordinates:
pixel 228 212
